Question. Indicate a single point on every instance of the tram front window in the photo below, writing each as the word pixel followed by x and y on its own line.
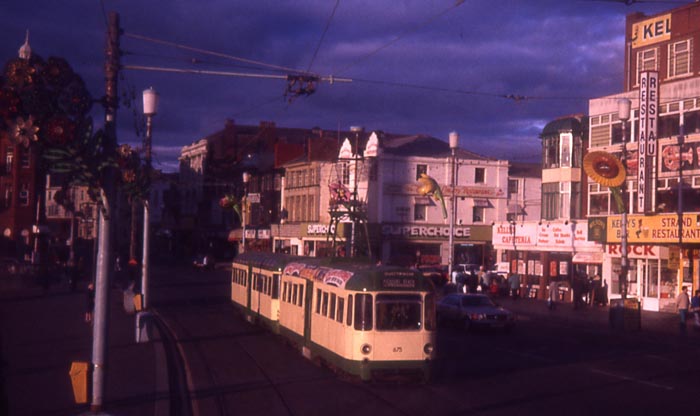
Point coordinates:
pixel 399 312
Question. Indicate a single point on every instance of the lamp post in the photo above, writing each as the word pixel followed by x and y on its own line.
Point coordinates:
pixel 357 130
pixel 244 209
pixel 150 107
pixel 454 143
pixel 623 113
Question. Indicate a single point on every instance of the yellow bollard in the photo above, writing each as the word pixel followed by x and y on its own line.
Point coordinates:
pixel 138 304
pixel 79 379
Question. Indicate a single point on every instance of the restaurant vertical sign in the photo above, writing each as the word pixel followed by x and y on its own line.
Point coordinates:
pixel 648 120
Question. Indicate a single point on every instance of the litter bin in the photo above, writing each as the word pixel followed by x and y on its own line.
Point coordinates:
pixel 626 315
pixel 79 380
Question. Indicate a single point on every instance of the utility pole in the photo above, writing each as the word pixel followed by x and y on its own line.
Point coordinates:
pixel 99 340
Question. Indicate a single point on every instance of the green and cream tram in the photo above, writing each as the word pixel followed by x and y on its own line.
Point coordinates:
pixel 363 319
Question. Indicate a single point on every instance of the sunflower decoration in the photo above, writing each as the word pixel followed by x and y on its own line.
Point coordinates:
pixel 607 170
pixel 24 131
pixel 229 201
pixel 429 186
pixel 604 168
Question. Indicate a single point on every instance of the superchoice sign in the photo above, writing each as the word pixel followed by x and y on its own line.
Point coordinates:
pixel 651 31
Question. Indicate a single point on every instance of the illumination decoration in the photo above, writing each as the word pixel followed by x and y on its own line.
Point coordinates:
pixel 429 187
pixel 229 201
pixel 606 170
pixel 24 132
pixel 340 194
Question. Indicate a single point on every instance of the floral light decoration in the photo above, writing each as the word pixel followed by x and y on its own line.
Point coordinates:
pixel 606 170
pixel 24 131
pixel 340 195
pixel 429 186
pixel 60 130
pixel 229 201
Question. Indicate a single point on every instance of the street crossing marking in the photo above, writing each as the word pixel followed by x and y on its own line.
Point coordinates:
pixel 632 379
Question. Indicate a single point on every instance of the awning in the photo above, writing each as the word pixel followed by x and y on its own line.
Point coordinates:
pixel 588 258
pixel 483 203
pixel 234 235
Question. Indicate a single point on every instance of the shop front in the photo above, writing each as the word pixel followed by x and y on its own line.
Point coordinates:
pixel 412 245
pixel 662 252
pixel 544 251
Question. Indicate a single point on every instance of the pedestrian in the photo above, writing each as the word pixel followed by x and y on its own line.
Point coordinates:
pixel 553 294
pixel 90 302
pixel 682 304
pixel 577 286
pixel 484 279
pixel 514 281
pixel 695 309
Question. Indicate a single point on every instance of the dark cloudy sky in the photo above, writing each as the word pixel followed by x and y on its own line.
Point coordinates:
pixel 418 66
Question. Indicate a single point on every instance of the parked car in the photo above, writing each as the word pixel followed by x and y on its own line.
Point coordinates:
pixel 11 267
pixel 436 273
pixel 473 311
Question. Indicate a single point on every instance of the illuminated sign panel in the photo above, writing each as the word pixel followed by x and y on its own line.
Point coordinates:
pixel 656 229
pixel 648 119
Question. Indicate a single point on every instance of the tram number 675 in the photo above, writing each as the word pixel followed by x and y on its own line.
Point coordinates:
pixel 398 349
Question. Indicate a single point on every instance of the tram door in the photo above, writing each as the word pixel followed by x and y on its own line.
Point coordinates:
pixel 308 309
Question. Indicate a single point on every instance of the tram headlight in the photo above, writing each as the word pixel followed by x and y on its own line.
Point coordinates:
pixel 366 349
pixel 428 348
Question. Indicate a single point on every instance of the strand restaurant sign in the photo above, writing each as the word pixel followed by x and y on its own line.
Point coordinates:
pixel 642 229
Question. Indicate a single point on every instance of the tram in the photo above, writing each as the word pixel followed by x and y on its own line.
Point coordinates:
pixel 365 320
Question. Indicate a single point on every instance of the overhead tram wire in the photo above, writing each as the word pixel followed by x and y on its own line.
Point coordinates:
pixel 402 34
pixel 323 35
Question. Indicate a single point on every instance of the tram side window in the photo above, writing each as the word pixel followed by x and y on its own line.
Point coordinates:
pixel 301 295
pixel 332 309
pixel 430 323
pixel 284 292
pixel 275 286
pixel 349 310
pixel 294 293
pixel 341 309
pixel 289 292
pixel 324 306
pixel 318 300
pixel 363 312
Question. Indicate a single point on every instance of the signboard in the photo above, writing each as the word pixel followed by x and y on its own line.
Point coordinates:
pixel 460 191
pixel 648 118
pixel 424 231
pixel 514 237
pixel 657 229
pixel 651 31
pixel 253 198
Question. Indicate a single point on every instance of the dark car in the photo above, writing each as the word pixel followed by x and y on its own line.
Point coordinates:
pixel 436 273
pixel 474 311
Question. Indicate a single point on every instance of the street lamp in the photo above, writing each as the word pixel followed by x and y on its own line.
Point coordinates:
pixel 623 113
pixel 357 130
pixel 246 179
pixel 454 143
pixel 150 107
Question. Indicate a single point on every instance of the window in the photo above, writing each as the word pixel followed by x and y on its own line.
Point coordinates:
pixel 349 310
pixel 363 312
pixel 345 168
pixel 332 308
pixel 679 58
pixel 324 305
pixel 24 195
pixel 646 61
pixel 478 214
pixel 8 160
pixel 399 312
pixel 420 169
pixel 550 201
pixel 479 175
pixel 430 320
pixel 550 153
pixel 512 187
pixel 318 300
pixel 341 309
pixel 420 212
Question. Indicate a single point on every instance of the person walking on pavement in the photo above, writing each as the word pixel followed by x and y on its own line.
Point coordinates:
pixel 553 294
pixel 682 304
pixel 514 281
pixel 695 309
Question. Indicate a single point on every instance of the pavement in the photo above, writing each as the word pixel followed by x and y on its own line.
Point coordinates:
pixel 43 331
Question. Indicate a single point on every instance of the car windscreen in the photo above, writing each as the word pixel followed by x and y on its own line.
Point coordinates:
pixel 476 301
pixel 399 312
